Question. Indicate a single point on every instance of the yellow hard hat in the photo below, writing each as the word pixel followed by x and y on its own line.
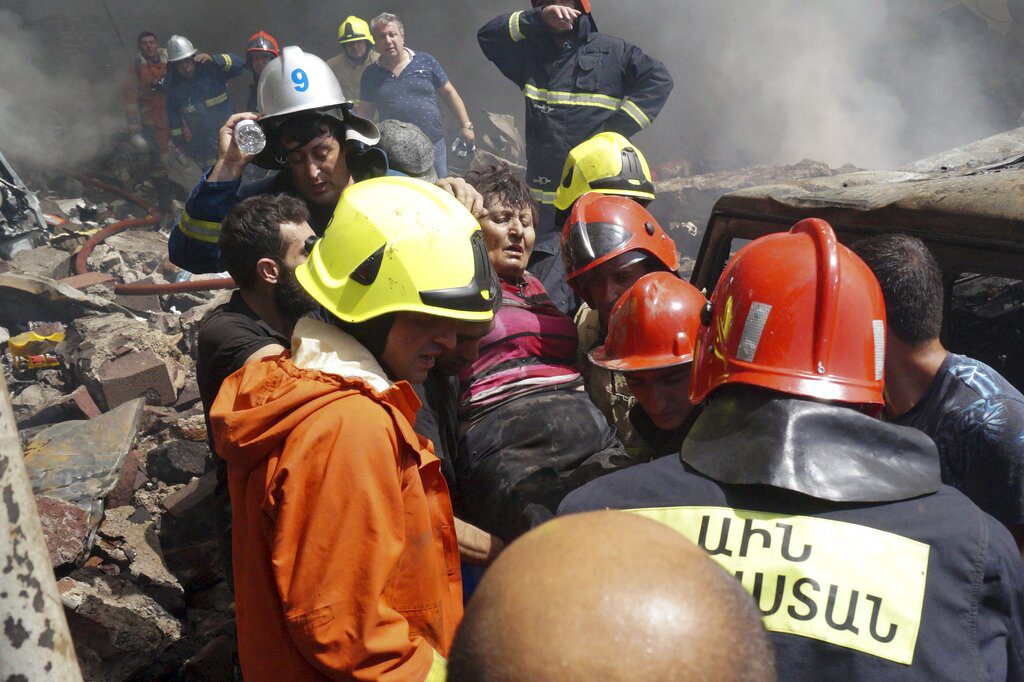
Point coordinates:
pixel 354 29
pixel 396 244
pixel 606 163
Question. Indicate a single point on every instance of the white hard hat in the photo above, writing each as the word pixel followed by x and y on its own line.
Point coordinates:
pixel 298 82
pixel 179 48
pixel 138 143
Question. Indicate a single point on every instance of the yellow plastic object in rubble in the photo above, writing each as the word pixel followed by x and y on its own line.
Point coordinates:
pixel 30 343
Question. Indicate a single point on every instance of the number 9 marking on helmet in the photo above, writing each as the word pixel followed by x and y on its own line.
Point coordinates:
pixel 301 80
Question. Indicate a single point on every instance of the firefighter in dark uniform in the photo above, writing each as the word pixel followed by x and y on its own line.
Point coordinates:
pixel 864 566
pixel 577 83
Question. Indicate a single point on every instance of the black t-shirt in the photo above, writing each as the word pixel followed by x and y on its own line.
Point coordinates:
pixel 228 335
pixel 976 418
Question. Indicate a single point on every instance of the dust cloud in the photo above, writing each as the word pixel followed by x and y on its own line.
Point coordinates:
pixel 875 82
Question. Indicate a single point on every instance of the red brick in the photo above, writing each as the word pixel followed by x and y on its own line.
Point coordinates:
pixel 88 279
pixel 65 527
pixel 136 375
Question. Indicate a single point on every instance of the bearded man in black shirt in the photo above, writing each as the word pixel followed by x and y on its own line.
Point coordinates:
pixel 262 240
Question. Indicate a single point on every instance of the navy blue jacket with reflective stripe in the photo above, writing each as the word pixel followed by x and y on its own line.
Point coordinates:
pixel 600 83
pixel 970 620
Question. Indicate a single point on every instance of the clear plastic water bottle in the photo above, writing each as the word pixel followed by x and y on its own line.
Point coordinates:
pixel 249 137
pixel 462 149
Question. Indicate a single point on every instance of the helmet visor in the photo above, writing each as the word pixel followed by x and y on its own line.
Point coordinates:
pixel 589 242
pixel 479 295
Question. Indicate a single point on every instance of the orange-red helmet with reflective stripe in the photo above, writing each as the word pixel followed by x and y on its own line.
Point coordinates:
pixel 262 42
pixel 584 4
pixel 602 227
pixel 653 325
pixel 795 312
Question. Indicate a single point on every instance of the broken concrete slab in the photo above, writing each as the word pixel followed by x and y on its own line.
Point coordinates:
pixel 136 375
pixel 136 535
pixel 66 528
pixel 141 249
pixel 79 461
pixel 101 338
pixel 131 478
pixel 117 629
pixel 148 303
pixel 197 492
pixel 42 261
pixel 32 399
pixel 178 461
pixel 95 283
pixel 76 405
pixel 32 298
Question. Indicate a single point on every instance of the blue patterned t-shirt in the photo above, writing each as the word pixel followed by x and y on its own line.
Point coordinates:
pixel 976 417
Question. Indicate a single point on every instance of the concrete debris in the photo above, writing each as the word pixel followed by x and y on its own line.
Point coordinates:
pixel 179 461
pixel 66 528
pixel 136 536
pixel 684 203
pixel 135 375
pixel 43 261
pixel 77 404
pixel 96 283
pixel 118 629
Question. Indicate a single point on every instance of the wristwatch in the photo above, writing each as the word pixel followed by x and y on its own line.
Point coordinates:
pixel 468 126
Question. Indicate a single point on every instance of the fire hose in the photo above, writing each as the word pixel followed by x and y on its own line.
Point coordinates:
pixel 152 220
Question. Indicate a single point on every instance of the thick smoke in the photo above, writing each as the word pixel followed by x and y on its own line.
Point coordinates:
pixel 52 111
pixel 874 82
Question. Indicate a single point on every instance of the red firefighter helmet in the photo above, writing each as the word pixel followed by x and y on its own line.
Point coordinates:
pixel 584 4
pixel 262 42
pixel 603 226
pixel 795 312
pixel 653 325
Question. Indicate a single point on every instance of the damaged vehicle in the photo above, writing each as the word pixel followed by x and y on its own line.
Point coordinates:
pixel 966 204
pixel 22 224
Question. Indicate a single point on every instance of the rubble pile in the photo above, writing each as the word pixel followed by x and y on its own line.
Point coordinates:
pixel 685 201
pixel 104 394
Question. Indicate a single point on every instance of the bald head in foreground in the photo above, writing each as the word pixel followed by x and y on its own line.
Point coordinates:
pixel 609 596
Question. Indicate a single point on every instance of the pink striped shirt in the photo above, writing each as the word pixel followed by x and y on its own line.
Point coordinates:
pixel 532 347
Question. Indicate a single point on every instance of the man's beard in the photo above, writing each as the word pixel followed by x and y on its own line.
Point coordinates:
pixel 291 299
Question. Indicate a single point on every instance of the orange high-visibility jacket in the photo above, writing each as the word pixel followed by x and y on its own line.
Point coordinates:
pixel 346 564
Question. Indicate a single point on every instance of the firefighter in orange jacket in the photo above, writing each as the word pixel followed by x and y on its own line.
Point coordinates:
pixel 145 108
pixel 345 555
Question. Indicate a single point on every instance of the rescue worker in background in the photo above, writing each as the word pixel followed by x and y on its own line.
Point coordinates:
pixel 405 85
pixel 577 83
pixel 145 108
pixel 197 97
pixel 651 334
pixel 863 564
pixel 314 141
pixel 607 163
pixel 261 48
pixel 342 519
pixel 665 613
pixel 609 243
pixel 974 415
pixel 356 54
